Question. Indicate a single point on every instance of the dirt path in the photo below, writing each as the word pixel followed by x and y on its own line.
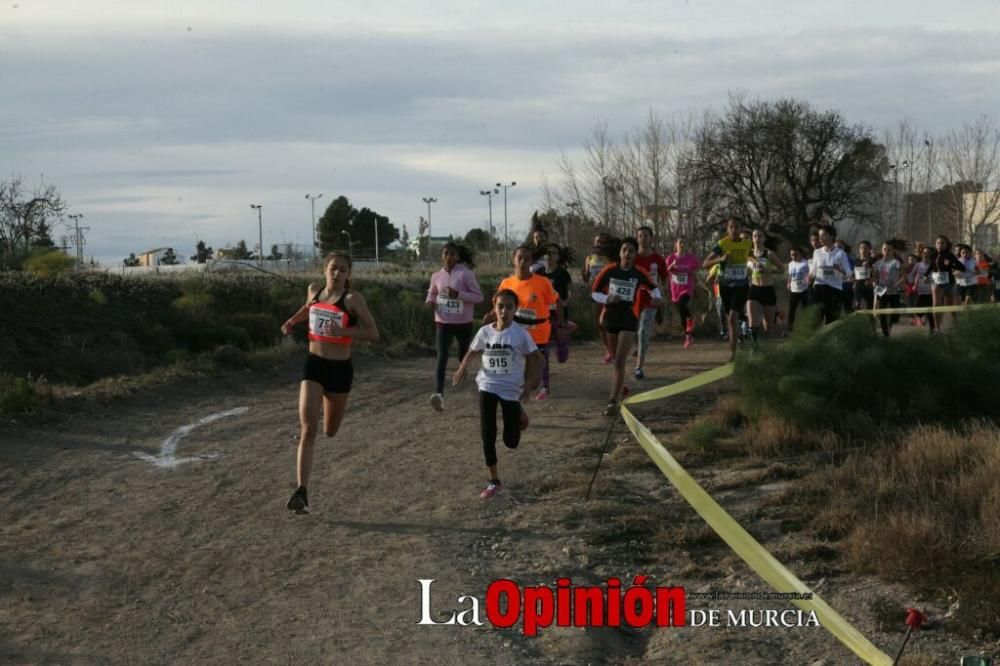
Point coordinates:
pixel 107 558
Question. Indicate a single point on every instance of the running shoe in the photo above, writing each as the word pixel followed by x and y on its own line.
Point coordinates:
pixel 688 341
pixel 608 357
pixel 611 409
pixel 492 490
pixel 639 374
pixel 524 419
pixel 542 395
pixel 437 402
pixel 299 501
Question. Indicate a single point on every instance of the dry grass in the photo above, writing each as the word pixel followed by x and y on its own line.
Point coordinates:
pixel 925 511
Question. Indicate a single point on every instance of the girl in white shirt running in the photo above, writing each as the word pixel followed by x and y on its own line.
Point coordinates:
pixel 510 369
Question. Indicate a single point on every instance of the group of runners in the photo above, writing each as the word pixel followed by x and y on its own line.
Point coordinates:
pixel 626 280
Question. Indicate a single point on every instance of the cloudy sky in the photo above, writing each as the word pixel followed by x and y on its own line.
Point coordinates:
pixel 162 122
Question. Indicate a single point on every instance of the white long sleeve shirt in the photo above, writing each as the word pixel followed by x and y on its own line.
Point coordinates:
pixel 825 265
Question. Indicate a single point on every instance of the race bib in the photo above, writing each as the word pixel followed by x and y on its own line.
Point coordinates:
pixel 996 284
pixel 322 322
pixel 966 281
pixel 450 306
pixel 861 273
pixel 624 289
pixel 526 314
pixel 498 361
pixel 940 277
pixel 826 272
pixel 735 273
pixel 798 285
pixel 679 278
pixel 881 291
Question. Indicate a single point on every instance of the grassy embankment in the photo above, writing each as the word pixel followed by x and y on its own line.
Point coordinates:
pixel 902 452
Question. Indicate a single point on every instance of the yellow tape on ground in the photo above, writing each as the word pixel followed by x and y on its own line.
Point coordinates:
pixel 688 384
pixel 936 309
pixel 744 545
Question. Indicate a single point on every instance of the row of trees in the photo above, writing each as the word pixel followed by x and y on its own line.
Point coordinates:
pixel 27 215
pixel 343 227
pixel 782 165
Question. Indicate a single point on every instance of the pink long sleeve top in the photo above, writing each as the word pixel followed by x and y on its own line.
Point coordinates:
pixel 458 310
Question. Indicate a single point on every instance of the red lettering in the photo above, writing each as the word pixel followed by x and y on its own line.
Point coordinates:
pixel 671 607
pixel 638 604
pixel 563 605
pixel 509 589
pixel 588 599
pixel 539 607
pixel 614 607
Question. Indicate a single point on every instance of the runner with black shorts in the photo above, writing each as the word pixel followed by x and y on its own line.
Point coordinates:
pixel 617 288
pixel 762 301
pixel 732 252
pixel 337 316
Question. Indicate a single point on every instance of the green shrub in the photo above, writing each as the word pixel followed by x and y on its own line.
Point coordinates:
pixel 49 263
pixel 848 378
pixel 17 395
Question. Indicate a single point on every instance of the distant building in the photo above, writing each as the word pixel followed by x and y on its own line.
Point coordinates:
pixel 434 242
pixel 152 257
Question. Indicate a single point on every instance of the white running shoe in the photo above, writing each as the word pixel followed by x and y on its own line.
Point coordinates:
pixel 437 402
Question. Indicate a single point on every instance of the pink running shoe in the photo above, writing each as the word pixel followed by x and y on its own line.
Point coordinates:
pixel 542 395
pixel 491 491
pixel 608 357
pixel 688 341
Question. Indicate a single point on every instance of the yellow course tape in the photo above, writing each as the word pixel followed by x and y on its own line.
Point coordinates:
pixel 744 545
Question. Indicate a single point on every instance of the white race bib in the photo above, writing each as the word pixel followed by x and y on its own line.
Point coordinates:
pixel 881 291
pixel 798 285
pixel 322 322
pixel 736 273
pixel 624 289
pixel 679 278
pixel 528 314
pixel 861 273
pixel 498 361
pixel 996 283
pixel 939 277
pixel 826 272
pixel 450 306
pixel 966 281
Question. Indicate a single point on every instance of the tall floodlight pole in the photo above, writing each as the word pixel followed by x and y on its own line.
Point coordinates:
pixel 376 240
pixel 260 233
pixel 429 201
pixel 506 241
pixel 488 193
pixel 930 148
pixel 312 201
pixel 76 237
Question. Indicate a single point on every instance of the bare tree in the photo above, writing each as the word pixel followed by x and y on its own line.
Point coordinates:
pixel 26 217
pixel 971 162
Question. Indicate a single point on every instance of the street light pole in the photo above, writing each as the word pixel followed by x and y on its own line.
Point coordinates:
pixel 429 201
pixel 375 218
pixel 260 234
pixel 489 195
pixel 348 234
pixel 506 241
pixel 76 237
pixel 312 201
pixel 930 149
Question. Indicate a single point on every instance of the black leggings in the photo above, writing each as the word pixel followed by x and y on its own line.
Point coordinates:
pixel 926 301
pixel 445 333
pixel 682 308
pixel 796 300
pixel 830 301
pixel 888 301
pixel 488 424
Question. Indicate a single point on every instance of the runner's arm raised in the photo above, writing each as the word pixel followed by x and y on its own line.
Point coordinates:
pixel 367 330
pixel 460 373
pixel 302 314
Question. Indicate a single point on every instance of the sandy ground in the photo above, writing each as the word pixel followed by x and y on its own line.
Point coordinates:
pixel 107 558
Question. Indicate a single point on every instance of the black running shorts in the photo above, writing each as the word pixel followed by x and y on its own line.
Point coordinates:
pixel 335 376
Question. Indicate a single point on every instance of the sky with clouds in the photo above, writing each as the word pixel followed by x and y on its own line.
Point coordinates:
pixel 163 122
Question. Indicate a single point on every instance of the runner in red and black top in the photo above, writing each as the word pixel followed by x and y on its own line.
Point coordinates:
pixel 617 288
pixel 865 277
pixel 941 273
pixel 337 315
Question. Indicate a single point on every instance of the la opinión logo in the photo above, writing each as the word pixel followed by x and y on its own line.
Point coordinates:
pixel 567 605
